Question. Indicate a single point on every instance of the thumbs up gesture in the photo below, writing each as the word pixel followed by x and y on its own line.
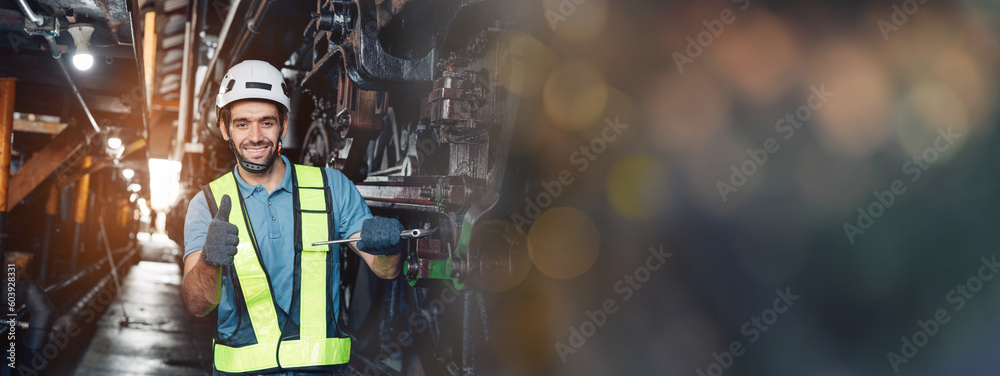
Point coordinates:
pixel 222 237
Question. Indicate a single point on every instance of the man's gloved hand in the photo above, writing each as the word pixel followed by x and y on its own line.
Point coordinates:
pixel 222 237
pixel 380 236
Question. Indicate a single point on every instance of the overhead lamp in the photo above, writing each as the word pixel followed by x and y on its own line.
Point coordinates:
pixel 134 187
pixel 128 173
pixel 81 33
pixel 114 143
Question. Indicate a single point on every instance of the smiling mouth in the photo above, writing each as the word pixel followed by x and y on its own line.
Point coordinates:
pixel 257 151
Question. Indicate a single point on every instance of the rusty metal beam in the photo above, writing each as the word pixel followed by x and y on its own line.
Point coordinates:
pixel 419 193
pixel 39 167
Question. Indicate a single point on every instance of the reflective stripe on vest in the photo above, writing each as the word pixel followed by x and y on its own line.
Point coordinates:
pixel 312 348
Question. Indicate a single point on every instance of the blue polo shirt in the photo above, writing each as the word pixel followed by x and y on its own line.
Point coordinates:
pixel 272 220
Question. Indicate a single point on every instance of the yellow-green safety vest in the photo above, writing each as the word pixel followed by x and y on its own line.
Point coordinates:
pixel 266 338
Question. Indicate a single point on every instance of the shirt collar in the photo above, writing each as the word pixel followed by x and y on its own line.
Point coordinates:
pixel 246 189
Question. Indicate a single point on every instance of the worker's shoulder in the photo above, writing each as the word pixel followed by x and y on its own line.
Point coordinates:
pixel 334 174
pixel 197 208
pixel 198 202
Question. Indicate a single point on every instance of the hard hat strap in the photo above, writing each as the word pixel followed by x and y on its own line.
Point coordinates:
pixel 255 168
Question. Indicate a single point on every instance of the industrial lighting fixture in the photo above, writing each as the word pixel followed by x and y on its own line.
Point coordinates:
pixel 114 143
pixel 81 33
pixel 128 173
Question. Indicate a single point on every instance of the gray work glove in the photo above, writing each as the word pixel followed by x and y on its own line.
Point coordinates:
pixel 222 237
pixel 380 236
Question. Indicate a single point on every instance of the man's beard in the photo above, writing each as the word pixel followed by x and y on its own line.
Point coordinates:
pixel 268 162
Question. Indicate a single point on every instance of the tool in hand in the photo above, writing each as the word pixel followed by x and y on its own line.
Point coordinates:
pixel 406 234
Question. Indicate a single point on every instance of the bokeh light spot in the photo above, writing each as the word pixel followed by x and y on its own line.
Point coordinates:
pixel 757 56
pixel 529 62
pixel 575 95
pixel 687 110
pixel 636 187
pixel 564 242
pixel 853 121
pixel 927 109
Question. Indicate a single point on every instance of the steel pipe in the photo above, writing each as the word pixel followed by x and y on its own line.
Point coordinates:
pixel 29 13
pixel 79 97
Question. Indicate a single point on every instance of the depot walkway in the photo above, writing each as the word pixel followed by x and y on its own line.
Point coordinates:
pixel 159 337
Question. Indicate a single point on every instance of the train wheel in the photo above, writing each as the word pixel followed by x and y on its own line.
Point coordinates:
pixel 317 147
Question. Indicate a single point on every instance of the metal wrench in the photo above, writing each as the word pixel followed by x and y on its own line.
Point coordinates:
pixel 406 234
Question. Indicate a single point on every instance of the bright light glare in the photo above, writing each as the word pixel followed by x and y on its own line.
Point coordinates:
pixel 128 173
pixel 134 187
pixel 83 61
pixel 164 183
pixel 143 209
pixel 114 143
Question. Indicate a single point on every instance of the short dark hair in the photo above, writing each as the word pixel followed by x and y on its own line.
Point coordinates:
pixel 226 114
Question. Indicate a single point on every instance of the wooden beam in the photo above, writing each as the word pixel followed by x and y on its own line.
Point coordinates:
pixel 82 190
pixel 40 166
pixel 6 120
pixel 22 125
pixel 83 171
pixel 149 49
pixel 99 164
pixel 133 147
pixel 164 104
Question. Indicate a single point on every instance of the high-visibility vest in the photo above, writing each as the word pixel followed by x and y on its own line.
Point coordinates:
pixel 267 339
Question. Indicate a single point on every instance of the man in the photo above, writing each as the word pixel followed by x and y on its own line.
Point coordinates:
pixel 249 234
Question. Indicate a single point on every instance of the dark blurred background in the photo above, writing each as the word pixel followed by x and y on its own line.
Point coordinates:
pixel 911 105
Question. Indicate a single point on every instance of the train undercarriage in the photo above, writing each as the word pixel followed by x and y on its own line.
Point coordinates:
pixel 416 102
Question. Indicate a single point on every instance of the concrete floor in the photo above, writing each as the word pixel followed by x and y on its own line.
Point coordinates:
pixel 160 337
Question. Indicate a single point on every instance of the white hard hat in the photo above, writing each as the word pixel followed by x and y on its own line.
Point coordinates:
pixel 253 79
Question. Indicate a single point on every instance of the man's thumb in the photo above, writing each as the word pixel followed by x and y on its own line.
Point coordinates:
pixel 224 206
